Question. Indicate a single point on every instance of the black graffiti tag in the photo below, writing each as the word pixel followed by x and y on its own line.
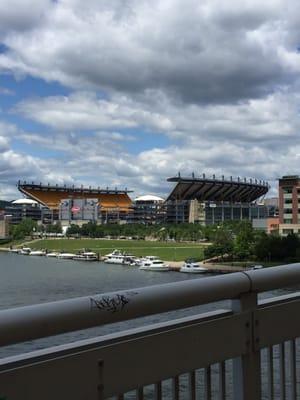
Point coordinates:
pixel 111 303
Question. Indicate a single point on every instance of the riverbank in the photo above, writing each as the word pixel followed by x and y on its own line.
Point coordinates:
pixel 176 265
pixel 173 251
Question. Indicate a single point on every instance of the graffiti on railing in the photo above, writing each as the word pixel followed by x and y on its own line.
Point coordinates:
pixel 112 303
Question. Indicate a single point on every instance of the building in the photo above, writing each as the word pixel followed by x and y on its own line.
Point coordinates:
pixel 268 225
pixel 211 200
pixel 24 208
pixel 114 205
pixel 289 204
pixel 79 211
pixel 4 226
pixel 147 210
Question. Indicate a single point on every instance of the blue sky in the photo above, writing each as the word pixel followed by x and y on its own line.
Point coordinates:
pixel 127 95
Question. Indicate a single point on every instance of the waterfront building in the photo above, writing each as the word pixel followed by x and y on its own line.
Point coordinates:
pixel 24 208
pixel 147 210
pixel 212 200
pixel 199 200
pixel 114 205
pixel 268 225
pixel 4 226
pixel 289 204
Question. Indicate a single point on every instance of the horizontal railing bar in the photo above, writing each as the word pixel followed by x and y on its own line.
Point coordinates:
pixel 266 279
pixel 286 298
pixel 84 345
pixel 277 323
pixel 122 360
pixel 37 321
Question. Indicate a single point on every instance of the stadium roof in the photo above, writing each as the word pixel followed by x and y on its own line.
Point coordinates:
pixel 25 201
pixel 72 188
pixel 214 189
pixel 52 195
pixel 149 197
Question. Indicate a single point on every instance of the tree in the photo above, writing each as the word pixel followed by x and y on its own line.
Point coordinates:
pixel 24 228
pixel 54 228
pixel 73 230
pixel 244 241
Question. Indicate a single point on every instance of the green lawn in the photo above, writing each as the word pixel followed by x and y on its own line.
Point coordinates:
pixel 166 251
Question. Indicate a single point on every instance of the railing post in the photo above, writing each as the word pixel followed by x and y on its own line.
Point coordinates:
pixel 246 368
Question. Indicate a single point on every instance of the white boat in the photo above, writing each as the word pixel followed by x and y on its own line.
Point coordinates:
pixel 114 253
pixel 116 257
pixel 142 260
pixel 14 250
pixel 154 264
pixel 86 256
pixel 52 254
pixel 25 251
pixel 192 267
pixel 66 256
pixel 37 253
pixel 130 260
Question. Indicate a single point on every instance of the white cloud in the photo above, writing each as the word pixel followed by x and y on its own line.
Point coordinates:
pixel 203 52
pixel 219 80
pixel 81 111
pixel 253 139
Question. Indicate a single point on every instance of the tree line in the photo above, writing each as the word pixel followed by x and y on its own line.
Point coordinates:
pixel 239 241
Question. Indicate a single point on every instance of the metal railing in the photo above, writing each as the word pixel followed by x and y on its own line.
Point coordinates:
pixel 248 352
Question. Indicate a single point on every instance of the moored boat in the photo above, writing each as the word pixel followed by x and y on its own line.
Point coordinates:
pixel 66 256
pixel 86 256
pixel 52 254
pixel 130 260
pixel 37 253
pixel 11 250
pixel 116 257
pixel 192 267
pixel 154 264
pixel 25 251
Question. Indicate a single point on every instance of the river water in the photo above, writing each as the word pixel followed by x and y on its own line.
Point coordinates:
pixel 26 280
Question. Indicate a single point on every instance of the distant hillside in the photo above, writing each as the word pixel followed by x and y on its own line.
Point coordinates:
pixel 4 204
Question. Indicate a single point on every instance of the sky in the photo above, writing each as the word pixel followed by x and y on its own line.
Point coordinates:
pixel 126 93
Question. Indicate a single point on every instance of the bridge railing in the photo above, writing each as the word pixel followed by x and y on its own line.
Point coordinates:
pixel 248 352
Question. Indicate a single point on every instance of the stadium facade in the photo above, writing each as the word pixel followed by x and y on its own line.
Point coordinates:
pixel 193 199
pixel 212 200
pixel 147 210
pixel 113 205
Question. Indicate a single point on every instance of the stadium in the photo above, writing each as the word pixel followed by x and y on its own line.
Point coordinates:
pixel 211 200
pixel 193 199
pixel 113 204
